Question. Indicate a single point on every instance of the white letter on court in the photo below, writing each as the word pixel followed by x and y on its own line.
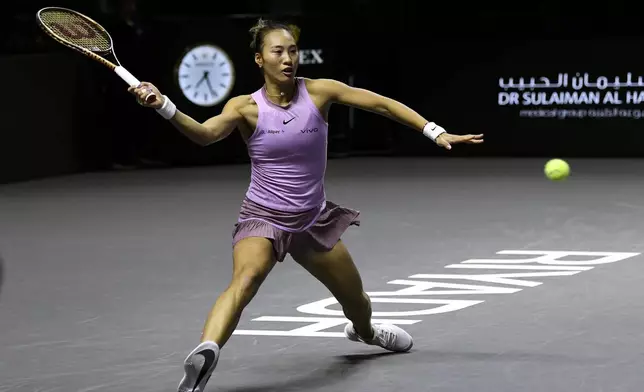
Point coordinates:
pixel 424 288
pixel 314 328
pixel 551 257
pixel 499 278
pixel 448 305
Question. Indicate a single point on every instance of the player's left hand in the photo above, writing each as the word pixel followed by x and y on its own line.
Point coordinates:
pixel 446 140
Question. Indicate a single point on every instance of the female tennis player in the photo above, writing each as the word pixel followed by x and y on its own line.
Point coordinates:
pixel 285 211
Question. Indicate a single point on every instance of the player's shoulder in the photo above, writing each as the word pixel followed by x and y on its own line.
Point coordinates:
pixel 240 101
pixel 321 83
pixel 324 86
pixel 242 104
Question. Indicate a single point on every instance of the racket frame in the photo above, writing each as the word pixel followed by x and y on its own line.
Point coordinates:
pixel 116 67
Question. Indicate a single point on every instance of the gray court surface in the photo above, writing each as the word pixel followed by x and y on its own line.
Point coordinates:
pixel 507 281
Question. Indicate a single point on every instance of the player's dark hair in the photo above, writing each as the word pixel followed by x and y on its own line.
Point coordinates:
pixel 263 27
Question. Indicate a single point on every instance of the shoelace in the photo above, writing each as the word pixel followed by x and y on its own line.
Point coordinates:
pixel 387 337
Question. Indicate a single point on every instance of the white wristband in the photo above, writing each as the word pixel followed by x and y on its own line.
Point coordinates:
pixel 432 131
pixel 168 109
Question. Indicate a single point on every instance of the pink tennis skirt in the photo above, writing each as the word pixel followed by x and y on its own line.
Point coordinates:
pixel 318 229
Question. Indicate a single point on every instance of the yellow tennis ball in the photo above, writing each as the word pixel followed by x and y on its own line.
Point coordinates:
pixel 557 169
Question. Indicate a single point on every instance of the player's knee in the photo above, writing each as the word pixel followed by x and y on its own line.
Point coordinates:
pixel 246 283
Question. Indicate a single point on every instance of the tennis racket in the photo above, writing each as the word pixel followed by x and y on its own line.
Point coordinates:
pixel 86 36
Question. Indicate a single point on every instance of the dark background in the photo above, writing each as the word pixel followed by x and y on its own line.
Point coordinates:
pixel 63 113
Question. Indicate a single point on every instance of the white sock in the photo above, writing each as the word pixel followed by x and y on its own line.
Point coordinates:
pixel 206 344
pixel 209 344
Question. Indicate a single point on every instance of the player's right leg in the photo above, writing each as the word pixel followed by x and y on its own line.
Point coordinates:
pixel 253 259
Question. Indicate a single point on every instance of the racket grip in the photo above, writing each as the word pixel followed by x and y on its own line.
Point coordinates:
pixel 132 81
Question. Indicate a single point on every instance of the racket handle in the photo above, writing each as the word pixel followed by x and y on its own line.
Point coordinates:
pixel 132 81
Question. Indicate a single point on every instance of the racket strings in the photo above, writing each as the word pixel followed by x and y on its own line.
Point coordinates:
pixel 76 30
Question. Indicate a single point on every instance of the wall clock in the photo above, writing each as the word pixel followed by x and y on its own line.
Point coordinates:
pixel 205 75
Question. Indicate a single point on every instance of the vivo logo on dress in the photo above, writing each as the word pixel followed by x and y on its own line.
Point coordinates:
pixel 309 130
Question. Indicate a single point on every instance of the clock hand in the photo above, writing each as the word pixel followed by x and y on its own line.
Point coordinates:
pixel 210 87
pixel 204 77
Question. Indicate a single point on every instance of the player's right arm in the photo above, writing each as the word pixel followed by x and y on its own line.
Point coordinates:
pixel 211 131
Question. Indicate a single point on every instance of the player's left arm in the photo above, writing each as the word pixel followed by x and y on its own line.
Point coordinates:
pixel 334 91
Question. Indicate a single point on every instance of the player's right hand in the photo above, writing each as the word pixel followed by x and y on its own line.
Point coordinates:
pixel 142 91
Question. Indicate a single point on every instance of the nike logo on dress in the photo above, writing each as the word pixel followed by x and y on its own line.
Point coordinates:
pixel 286 122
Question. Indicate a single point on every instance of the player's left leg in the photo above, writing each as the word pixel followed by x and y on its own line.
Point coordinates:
pixel 336 270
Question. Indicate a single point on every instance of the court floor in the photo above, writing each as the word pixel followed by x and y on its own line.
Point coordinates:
pixel 508 282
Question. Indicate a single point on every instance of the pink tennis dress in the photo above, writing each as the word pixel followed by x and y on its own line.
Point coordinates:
pixel 286 200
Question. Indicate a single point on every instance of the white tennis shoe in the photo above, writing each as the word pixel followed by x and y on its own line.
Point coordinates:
pixel 389 337
pixel 198 367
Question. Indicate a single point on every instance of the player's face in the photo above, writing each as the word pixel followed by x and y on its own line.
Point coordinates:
pixel 280 56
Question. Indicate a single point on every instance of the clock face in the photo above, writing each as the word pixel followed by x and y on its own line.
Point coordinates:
pixel 206 75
